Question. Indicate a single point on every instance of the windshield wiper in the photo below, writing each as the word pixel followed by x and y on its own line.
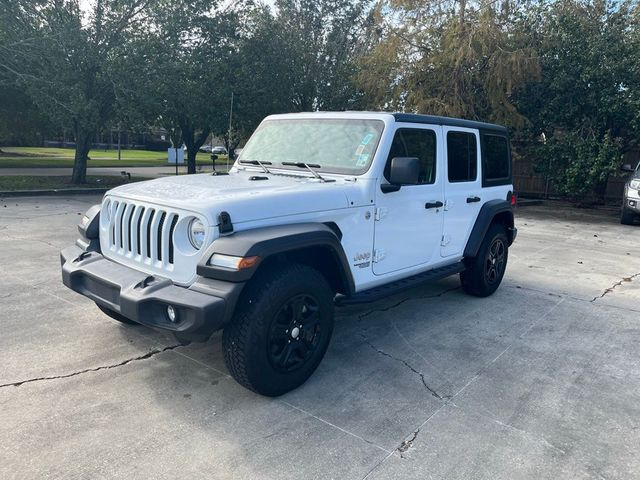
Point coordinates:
pixel 257 162
pixel 308 166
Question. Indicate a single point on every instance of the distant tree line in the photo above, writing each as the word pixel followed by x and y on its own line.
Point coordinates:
pixel 563 75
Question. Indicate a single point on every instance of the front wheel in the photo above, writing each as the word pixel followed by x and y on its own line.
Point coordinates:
pixel 484 273
pixel 626 218
pixel 281 329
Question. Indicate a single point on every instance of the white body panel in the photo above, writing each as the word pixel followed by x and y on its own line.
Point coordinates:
pixel 407 238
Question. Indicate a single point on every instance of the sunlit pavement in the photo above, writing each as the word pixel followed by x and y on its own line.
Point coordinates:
pixel 540 381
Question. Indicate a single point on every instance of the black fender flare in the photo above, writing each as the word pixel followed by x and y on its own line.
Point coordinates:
pixel 266 242
pixel 489 211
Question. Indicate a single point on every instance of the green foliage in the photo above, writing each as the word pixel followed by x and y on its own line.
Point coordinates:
pixel 452 58
pixel 581 166
pixel 587 99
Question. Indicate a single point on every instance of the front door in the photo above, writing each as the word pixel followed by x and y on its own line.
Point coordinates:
pixel 408 223
pixel 462 188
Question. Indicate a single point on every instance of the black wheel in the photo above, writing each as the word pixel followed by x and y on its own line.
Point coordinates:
pixel 280 330
pixel 627 217
pixel 115 315
pixel 484 273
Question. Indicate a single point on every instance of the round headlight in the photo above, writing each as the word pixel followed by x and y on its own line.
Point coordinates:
pixel 196 233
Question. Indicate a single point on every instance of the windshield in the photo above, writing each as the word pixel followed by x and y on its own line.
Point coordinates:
pixel 336 145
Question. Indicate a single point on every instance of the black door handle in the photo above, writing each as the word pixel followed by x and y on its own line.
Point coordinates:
pixel 473 199
pixel 437 204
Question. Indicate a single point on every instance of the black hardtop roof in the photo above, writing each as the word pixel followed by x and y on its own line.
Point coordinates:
pixel 453 122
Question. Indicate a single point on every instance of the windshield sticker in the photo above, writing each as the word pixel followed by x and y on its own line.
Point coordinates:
pixel 362 160
pixel 360 149
pixel 367 138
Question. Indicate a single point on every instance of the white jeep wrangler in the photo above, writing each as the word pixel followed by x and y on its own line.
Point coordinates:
pixel 319 209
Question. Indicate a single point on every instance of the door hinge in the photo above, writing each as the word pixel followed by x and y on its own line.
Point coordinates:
pixel 380 213
pixel 378 255
pixel 446 239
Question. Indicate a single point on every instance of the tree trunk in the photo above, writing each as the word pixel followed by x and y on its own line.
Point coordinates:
pixel 83 145
pixel 191 159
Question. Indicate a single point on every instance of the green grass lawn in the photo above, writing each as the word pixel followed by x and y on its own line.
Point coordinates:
pixel 24 182
pixel 38 157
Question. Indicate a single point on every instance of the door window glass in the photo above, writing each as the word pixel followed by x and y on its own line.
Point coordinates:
pixel 419 143
pixel 462 157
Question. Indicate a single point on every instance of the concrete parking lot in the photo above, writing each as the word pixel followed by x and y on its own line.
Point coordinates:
pixel 540 381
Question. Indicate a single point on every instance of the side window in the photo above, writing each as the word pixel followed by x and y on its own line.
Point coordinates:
pixel 462 157
pixel 419 143
pixel 496 165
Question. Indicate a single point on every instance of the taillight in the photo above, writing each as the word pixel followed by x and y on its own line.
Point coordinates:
pixel 511 198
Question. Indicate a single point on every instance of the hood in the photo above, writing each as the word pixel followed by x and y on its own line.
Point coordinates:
pixel 245 199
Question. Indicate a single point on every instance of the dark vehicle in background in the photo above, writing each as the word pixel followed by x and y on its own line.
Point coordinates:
pixel 631 196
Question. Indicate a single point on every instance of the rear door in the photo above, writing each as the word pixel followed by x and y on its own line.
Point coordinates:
pixel 409 221
pixel 462 187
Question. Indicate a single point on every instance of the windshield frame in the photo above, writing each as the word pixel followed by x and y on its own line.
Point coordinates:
pixel 277 164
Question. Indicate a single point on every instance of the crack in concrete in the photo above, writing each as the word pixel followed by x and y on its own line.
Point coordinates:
pixel 408 443
pixel 410 367
pixel 616 285
pixel 147 355
pixel 400 302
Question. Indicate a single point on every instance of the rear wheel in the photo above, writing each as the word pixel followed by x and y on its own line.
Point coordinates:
pixel 484 273
pixel 281 329
pixel 115 315
pixel 627 217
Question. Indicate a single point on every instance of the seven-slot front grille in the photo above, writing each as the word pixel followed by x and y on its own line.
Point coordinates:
pixel 143 233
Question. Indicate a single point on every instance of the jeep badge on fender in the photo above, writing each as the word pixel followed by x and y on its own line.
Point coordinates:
pixel 319 209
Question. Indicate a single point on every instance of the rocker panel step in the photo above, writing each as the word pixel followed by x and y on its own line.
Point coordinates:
pixel 388 289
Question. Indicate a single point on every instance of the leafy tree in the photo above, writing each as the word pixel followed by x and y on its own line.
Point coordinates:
pixel 452 58
pixel 585 106
pixel 64 59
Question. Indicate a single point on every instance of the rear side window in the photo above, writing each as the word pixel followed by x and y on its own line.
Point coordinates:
pixel 462 157
pixel 419 143
pixel 496 163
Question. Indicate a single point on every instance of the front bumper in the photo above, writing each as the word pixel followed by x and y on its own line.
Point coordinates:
pixel 204 307
pixel 631 203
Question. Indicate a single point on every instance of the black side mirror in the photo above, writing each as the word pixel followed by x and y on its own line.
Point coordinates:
pixel 627 168
pixel 403 171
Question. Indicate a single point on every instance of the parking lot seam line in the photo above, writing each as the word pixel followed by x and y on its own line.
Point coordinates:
pixel 409 366
pixel 146 356
pixel 182 354
pixel 519 337
pixel 337 427
pixel 570 297
pixel 400 302
pixel 617 284
pixel 448 400
pixel 509 426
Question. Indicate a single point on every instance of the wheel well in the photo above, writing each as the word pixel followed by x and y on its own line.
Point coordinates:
pixel 506 219
pixel 321 258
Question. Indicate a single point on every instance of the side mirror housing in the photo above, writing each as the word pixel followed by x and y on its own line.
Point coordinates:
pixel 403 171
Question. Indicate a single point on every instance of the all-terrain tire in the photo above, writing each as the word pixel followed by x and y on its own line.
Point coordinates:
pixel 115 315
pixel 280 330
pixel 626 217
pixel 484 272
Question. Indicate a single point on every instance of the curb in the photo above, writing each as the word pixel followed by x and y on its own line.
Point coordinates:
pixel 529 202
pixel 41 193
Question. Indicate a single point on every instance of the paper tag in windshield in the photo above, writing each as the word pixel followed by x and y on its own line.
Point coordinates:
pixel 362 160
pixel 367 138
